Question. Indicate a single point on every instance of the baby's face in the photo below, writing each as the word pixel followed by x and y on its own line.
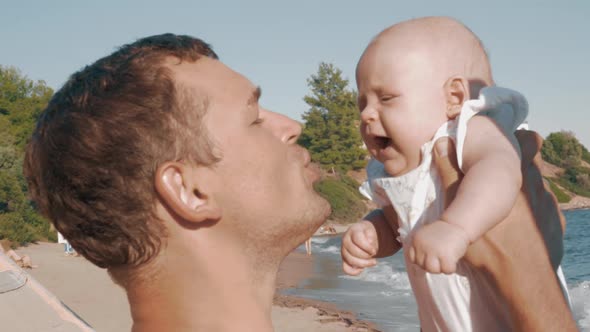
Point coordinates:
pixel 402 104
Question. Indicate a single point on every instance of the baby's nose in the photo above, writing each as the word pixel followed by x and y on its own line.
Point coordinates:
pixel 368 115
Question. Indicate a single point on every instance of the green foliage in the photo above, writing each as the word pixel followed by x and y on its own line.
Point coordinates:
pixel 562 149
pixel 585 154
pixel 331 131
pixel 347 205
pixel 14 228
pixel 561 196
pixel 576 180
pixel 353 184
pixel 12 197
pixel 21 102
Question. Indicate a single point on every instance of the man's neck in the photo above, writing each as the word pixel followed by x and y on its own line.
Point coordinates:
pixel 195 293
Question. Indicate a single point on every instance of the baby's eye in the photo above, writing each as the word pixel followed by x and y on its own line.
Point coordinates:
pixel 387 97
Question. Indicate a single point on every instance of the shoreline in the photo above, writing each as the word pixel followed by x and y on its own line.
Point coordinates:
pixel 296 267
pixel 575 208
pixel 89 292
pixel 326 313
pixel 576 203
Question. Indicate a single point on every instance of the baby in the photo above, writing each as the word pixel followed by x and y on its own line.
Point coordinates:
pixel 416 81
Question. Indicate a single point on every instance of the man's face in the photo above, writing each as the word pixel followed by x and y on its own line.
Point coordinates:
pixel 401 103
pixel 263 182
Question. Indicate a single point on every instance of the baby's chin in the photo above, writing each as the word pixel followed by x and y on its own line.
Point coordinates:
pixel 398 166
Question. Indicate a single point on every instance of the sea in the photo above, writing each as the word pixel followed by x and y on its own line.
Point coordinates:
pixel 382 294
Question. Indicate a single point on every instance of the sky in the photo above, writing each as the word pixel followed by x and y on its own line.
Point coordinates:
pixel 540 48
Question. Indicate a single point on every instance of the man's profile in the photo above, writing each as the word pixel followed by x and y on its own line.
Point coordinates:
pixel 158 163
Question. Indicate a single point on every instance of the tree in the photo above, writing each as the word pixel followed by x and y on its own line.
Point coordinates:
pixel 562 149
pixel 331 131
pixel 585 154
pixel 21 102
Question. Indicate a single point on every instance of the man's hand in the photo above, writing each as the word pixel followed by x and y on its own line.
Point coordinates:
pixel 359 247
pixel 437 247
pixel 520 255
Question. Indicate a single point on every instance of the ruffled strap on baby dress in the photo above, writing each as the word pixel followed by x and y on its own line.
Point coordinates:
pixel 508 108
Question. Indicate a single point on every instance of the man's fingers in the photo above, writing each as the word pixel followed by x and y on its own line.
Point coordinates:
pixel 530 144
pixel 445 159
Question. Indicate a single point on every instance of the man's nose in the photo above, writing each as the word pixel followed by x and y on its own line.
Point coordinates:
pixel 283 127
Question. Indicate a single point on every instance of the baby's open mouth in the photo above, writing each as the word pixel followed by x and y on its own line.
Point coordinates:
pixel 382 142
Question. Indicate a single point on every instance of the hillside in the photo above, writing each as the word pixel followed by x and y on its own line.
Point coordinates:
pixel 551 171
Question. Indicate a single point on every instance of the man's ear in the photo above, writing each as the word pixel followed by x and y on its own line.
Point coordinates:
pixel 456 91
pixel 176 186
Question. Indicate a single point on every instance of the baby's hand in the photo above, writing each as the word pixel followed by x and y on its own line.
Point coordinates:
pixel 359 246
pixel 437 247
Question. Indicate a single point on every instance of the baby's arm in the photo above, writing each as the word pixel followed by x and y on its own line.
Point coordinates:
pixel 373 237
pixel 493 178
pixel 492 181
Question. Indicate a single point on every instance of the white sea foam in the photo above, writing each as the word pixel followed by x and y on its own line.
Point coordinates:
pixel 329 249
pixel 320 239
pixel 580 295
pixel 383 273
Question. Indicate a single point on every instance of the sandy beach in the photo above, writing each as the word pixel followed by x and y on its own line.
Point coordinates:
pixel 89 292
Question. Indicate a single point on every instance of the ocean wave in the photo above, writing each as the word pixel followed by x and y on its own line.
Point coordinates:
pixel 329 250
pixel 580 296
pixel 320 239
pixel 384 273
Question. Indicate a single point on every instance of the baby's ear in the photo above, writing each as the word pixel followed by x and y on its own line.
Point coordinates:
pixel 456 91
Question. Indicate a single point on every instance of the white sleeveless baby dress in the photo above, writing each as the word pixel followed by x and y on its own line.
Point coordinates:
pixel 463 301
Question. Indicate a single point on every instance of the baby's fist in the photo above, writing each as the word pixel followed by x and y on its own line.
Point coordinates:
pixel 438 247
pixel 359 247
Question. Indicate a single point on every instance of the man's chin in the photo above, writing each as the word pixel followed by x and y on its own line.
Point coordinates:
pixel 323 211
pixel 327 211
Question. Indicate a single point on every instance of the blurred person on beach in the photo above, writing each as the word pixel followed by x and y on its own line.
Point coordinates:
pixel 68 250
pixel 158 163
pixel 416 83
pixel 308 246
pixel 23 261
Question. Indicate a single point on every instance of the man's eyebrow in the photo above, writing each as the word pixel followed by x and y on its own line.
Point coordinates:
pixel 256 93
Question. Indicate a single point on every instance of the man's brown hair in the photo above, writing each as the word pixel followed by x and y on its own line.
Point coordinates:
pixel 92 159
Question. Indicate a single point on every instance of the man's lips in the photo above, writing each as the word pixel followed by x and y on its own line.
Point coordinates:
pixel 314 169
pixel 311 168
pixel 306 158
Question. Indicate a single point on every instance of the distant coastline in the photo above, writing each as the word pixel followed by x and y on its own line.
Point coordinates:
pixel 576 203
